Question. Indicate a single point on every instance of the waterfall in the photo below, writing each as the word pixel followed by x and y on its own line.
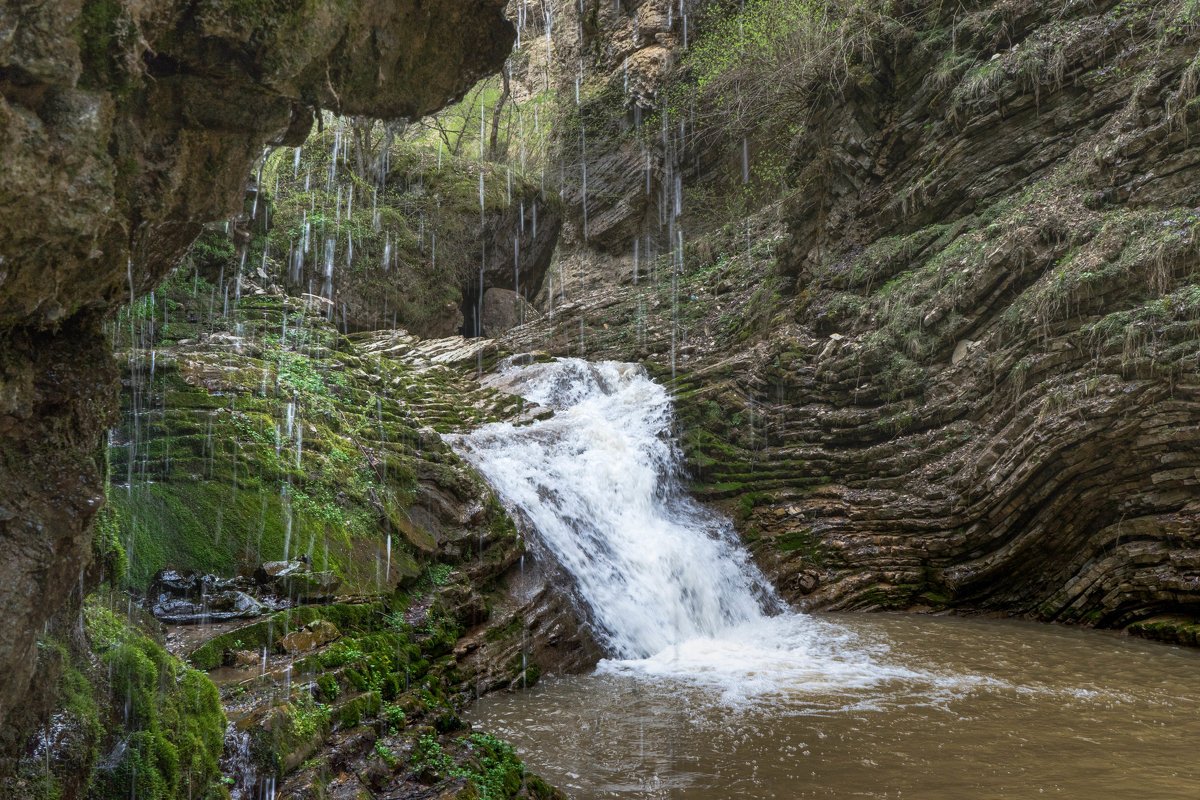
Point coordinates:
pixel 600 483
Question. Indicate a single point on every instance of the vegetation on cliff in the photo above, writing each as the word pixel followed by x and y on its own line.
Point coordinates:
pixel 131 719
pixel 932 326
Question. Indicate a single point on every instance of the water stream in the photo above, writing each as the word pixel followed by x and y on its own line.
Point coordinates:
pixel 715 689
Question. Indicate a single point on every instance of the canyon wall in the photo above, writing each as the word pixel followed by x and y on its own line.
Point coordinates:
pixel 126 126
pixel 950 356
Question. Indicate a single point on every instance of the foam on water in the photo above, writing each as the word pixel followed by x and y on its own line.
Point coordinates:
pixel 667 585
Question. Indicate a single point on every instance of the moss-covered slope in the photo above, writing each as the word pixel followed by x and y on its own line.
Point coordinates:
pixel 265 434
pixel 130 718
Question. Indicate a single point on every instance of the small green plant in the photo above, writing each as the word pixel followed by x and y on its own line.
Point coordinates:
pixel 429 757
pixel 308 716
pixel 385 754
pixel 439 574
pixel 393 716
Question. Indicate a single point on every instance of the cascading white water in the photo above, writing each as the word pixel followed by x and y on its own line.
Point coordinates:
pixel 716 691
pixel 665 580
pixel 599 483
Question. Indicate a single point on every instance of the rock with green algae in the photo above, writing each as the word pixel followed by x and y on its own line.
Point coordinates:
pixel 266 434
pixel 129 718
pixel 1171 629
pixel 353 684
pixel 390 230
pixel 360 401
pixel 949 359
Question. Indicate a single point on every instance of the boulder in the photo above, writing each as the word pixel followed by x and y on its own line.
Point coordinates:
pixel 310 637
pixel 503 310
pixel 295 582
pixel 187 597
pixel 219 607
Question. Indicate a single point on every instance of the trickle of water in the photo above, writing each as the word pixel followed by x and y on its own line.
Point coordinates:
pixel 387 570
pixel 238 763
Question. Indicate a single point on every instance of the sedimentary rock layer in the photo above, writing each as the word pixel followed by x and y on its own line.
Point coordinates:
pixel 958 365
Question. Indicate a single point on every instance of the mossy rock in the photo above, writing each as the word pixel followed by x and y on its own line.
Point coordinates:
pixel 132 717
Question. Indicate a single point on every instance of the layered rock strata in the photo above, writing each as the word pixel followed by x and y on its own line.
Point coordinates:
pixel 959 364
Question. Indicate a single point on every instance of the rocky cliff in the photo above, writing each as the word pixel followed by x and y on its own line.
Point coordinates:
pixel 125 127
pixel 947 354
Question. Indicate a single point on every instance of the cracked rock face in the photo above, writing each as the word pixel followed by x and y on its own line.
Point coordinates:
pixel 123 128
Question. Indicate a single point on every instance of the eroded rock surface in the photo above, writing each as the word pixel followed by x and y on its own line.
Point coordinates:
pixel 123 128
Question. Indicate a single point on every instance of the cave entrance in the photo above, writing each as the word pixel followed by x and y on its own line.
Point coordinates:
pixel 471 309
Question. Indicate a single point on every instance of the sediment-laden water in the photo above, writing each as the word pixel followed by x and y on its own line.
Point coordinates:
pixel 714 689
pixel 955 709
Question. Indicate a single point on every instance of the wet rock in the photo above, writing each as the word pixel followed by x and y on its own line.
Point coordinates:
pixel 187 597
pixel 503 310
pixel 295 581
pixel 119 141
pixel 217 607
pixel 246 658
pixel 313 635
pixel 269 571
pixel 978 386
pixel 190 598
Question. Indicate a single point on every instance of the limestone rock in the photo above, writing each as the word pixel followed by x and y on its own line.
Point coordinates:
pixel 503 310
pixel 312 636
pixel 956 368
pixel 295 581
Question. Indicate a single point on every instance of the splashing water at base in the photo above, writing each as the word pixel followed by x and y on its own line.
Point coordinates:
pixel 715 690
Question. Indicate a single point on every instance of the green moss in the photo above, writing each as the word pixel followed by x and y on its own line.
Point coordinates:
pixel 489 765
pixel 165 726
pixel 328 688
pixel 803 542
pixel 213 462
pixel 1174 629
pixel 291 732
pixel 509 630
pixel 494 770
pixel 355 710
pixel 348 618
pixel 107 551
pixel 96 32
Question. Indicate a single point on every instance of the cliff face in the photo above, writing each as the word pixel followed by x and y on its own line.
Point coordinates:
pixel 998 321
pixel 957 362
pixel 125 127
pixel 389 233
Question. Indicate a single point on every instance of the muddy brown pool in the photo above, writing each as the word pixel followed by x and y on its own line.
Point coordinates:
pixel 929 707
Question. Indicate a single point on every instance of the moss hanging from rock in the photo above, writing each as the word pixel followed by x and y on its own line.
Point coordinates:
pixel 130 719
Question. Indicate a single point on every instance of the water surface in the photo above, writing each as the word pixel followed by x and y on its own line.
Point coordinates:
pixel 940 709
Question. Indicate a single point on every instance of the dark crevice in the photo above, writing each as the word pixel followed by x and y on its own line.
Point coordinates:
pixel 472 303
